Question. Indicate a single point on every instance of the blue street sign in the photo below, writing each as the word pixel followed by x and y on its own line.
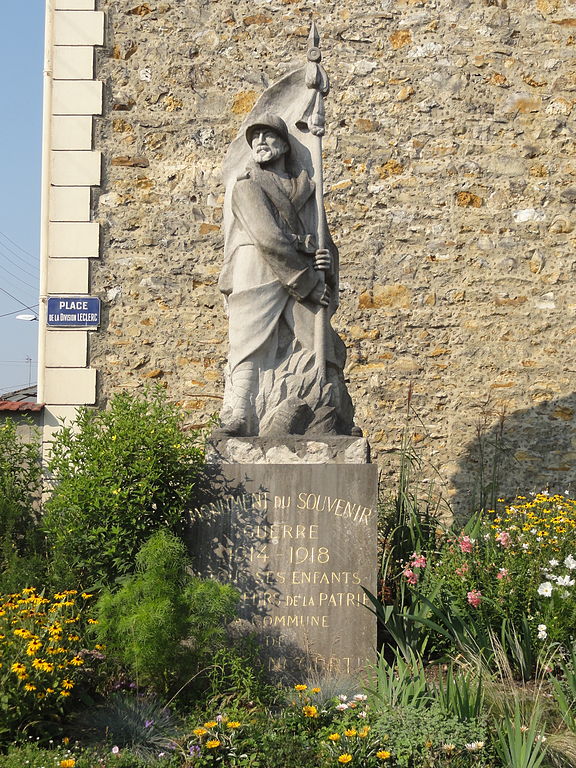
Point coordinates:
pixel 73 312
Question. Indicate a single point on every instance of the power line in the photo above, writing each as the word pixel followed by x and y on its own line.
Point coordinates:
pixel 15 263
pixel 34 287
pixel 28 262
pixel 25 294
pixel 15 312
pixel 16 245
pixel 26 306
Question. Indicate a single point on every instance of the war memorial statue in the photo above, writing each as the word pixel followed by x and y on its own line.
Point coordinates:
pixel 280 274
pixel 293 520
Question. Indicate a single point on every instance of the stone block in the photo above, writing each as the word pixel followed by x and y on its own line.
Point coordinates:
pixel 54 417
pixel 77 97
pixel 70 204
pixel 78 27
pixel 299 543
pixel 71 132
pixel 289 449
pixel 71 169
pixel 67 276
pixel 70 386
pixel 66 349
pixel 75 5
pixel 68 240
pixel 72 62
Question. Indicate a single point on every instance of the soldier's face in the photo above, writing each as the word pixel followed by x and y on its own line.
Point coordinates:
pixel 267 146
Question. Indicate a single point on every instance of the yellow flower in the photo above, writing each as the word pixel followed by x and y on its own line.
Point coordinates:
pixel 383 754
pixel 64 694
pixel 212 744
pixel 345 758
pixel 334 737
pixel 77 661
pixel 233 724
pixel 86 595
pixel 350 732
pixel 310 711
pixel 33 646
pixel 30 687
pixel 316 690
pixel 68 763
pixel 45 666
pixel 199 731
pixel 67 684
pixel 65 739
pixel 300 687
pixel 210 724
pixel 363 732
pixel 25 633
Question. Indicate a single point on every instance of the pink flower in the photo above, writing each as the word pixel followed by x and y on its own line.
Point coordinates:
pixel 115 750
pixel 474 597
pixel 504 539
pixel 465 543
pixel 502 573
pixel 463 570
pixel 418 561
pixel 411 577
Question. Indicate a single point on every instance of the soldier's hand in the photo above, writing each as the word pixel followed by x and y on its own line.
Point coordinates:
pixel 323 260
pixel 320 294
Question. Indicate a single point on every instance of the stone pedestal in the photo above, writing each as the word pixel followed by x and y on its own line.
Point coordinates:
pixel 299 540
pixel 289 449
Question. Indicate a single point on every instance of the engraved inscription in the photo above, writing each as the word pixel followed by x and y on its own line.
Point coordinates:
pixel 301 557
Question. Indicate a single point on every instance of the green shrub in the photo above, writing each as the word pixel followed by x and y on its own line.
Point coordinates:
pixel 417 736
pixel 21 543
pixel 237 677
pixel 118 475
pixel 164 624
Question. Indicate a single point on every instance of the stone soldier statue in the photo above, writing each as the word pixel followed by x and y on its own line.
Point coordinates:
pixel 276 280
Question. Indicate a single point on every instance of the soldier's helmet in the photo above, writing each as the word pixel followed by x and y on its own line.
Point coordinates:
pixel 267 120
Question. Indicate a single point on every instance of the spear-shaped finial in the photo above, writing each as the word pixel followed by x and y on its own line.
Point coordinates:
pixel 316 79
pixel 314 52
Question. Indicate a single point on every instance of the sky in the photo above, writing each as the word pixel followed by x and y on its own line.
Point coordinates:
pixel 21 65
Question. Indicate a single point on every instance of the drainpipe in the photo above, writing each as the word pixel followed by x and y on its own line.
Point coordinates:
pixel 45 195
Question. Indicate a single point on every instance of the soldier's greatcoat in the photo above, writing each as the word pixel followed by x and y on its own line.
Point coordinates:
pixel 268 270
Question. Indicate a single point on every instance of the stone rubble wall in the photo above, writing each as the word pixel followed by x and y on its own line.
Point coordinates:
pixel 450 162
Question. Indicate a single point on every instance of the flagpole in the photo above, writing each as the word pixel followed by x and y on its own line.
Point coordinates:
pixel 317 80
